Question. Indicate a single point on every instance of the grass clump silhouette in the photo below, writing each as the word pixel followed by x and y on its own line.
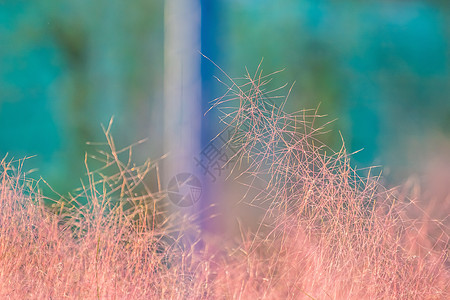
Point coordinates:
pixel 326 233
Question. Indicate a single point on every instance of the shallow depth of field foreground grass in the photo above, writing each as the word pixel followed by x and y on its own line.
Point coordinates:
pixel 327 233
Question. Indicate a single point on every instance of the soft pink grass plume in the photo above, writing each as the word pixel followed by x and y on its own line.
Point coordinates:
pixel 326 233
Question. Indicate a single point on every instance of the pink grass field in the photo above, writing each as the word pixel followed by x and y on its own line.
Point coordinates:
pixel 327 232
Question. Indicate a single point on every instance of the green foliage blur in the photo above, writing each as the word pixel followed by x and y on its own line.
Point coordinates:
pixel 69 66
pixel 381 68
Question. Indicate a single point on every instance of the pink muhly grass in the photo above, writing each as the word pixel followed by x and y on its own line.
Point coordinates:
pixel 105 249
pixel 326 233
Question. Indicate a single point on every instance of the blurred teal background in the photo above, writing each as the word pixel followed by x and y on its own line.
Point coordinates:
pixel 381 68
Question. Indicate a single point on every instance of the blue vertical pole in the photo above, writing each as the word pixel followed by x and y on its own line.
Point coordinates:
pixel 209 47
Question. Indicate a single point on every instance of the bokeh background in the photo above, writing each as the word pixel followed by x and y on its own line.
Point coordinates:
pixel 380 68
